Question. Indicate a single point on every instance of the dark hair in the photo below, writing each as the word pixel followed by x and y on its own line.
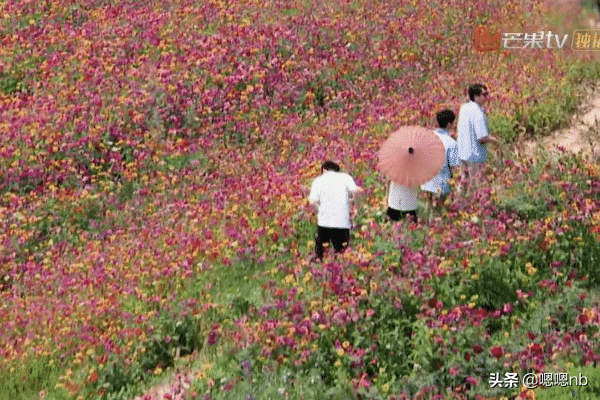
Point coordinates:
pixel 476 89
pixel 445 117
pixel 330 166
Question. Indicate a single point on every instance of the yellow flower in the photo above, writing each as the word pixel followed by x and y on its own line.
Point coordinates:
pixel 158 371
pixel 340 352
pixel 337 363
pixel 462 297
pixel 289 279
pixel 385 388
pixel 373 285
pixel 346 344
pixel 307 277
pixel 474 297
pixel 475 277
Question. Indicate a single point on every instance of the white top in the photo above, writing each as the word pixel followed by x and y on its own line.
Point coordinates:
pixel 472 126
pixel 402 198
pixel 439 183
pixel 330 193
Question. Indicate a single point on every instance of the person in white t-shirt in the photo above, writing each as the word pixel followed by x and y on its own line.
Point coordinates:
pixel 473 135
pixel 330 193
pixel 402 202
pixel 439 185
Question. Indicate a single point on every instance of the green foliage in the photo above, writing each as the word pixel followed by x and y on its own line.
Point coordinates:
pixel 392 327
pixel 25 380
pixel 10 84
pixel 587 256
pixel 503 127
pixel 526 203
pixel 581 72
pixel 579 391
pixel 116 379
pixel 495 286
pixel 268 381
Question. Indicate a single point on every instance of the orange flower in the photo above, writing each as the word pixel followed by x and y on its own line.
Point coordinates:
pixel 93 377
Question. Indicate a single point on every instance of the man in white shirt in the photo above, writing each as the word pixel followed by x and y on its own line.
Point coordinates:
pixel 438 185
pixel 473 135
pixel 402 202
pixel 330 193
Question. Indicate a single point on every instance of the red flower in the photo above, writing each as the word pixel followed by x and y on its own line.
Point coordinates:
pixel 477 349
pixel 467 356
pixel 567 338
pixel 497 351
pixel 583 319
pixel 531 335
pixel 536 349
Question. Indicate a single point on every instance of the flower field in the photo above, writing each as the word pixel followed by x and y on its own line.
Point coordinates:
pixel 156 158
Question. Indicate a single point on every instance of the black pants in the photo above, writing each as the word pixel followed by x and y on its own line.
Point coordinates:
pixel 338 236
pixel 396 215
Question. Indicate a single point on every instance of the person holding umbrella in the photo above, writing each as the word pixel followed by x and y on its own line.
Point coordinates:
pixel 411 156
pixel 330 193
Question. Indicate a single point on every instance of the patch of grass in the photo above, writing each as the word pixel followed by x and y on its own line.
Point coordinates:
pixel 26 380
pixel 584 384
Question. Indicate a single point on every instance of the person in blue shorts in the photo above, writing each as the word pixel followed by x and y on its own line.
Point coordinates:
pixel 438 187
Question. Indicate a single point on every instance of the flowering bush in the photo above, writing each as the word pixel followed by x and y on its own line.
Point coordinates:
pixel 152 199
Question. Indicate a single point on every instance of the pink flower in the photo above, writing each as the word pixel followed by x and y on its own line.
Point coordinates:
pixel 472 380
pixel 507 308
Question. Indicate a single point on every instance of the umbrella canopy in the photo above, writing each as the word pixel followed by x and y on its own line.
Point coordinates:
pixel 411 156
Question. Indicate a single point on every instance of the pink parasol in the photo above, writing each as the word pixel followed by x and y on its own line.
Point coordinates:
pixel 411 156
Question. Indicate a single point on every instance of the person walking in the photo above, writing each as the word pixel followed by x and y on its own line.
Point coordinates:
pixel 331 193
pixel 439 186
pixel 473 135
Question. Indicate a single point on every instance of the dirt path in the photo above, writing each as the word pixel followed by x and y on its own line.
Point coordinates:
pixel 582 134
